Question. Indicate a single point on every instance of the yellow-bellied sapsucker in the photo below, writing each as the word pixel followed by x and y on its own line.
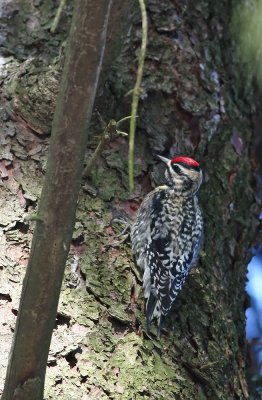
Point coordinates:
pixel 167 235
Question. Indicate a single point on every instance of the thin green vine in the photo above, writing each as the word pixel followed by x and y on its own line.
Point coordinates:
pixel 136 94
pixel 58 16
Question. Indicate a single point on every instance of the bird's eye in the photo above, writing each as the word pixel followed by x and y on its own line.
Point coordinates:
pixel 177 169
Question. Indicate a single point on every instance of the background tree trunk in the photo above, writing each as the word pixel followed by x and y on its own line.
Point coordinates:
pixel 194 104
pixel 56 212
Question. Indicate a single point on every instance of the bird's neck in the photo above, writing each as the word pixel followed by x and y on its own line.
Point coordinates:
pixel 176 191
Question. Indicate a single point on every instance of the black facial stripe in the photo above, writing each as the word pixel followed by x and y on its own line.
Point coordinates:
pixel 177 169
pixel 169 176
pixel 194 167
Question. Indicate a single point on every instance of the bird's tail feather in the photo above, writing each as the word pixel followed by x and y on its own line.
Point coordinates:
pixel 150 309
pixel 153 310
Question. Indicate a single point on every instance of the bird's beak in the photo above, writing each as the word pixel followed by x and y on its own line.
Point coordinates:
pixel 164 159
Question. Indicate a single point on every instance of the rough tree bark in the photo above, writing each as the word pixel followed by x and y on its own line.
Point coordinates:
pixel 56 212
pixel 194 104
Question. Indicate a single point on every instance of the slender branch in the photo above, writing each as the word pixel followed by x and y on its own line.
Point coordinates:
pixel 124 119
pixel 136 93
pixel 109 133
pixel 33 217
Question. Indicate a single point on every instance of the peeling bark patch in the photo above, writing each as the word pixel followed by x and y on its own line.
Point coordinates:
pixel 119 326
pixel 5 297
pixel 71 357
pixel 62 320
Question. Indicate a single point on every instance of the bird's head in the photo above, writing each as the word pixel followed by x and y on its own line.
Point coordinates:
pixel 183 174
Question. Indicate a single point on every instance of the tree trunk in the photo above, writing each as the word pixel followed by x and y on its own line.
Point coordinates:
pixel 56 212
pixel 192 103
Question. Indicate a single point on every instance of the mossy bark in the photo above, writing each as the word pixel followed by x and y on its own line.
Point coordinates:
pixel 192 103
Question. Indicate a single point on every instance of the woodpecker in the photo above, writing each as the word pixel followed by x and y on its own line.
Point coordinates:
pixel 167 235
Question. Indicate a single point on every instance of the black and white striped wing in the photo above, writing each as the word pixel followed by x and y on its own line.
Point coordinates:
pixel 169 266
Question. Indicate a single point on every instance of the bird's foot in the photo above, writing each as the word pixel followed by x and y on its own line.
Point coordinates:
pixel 124 234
